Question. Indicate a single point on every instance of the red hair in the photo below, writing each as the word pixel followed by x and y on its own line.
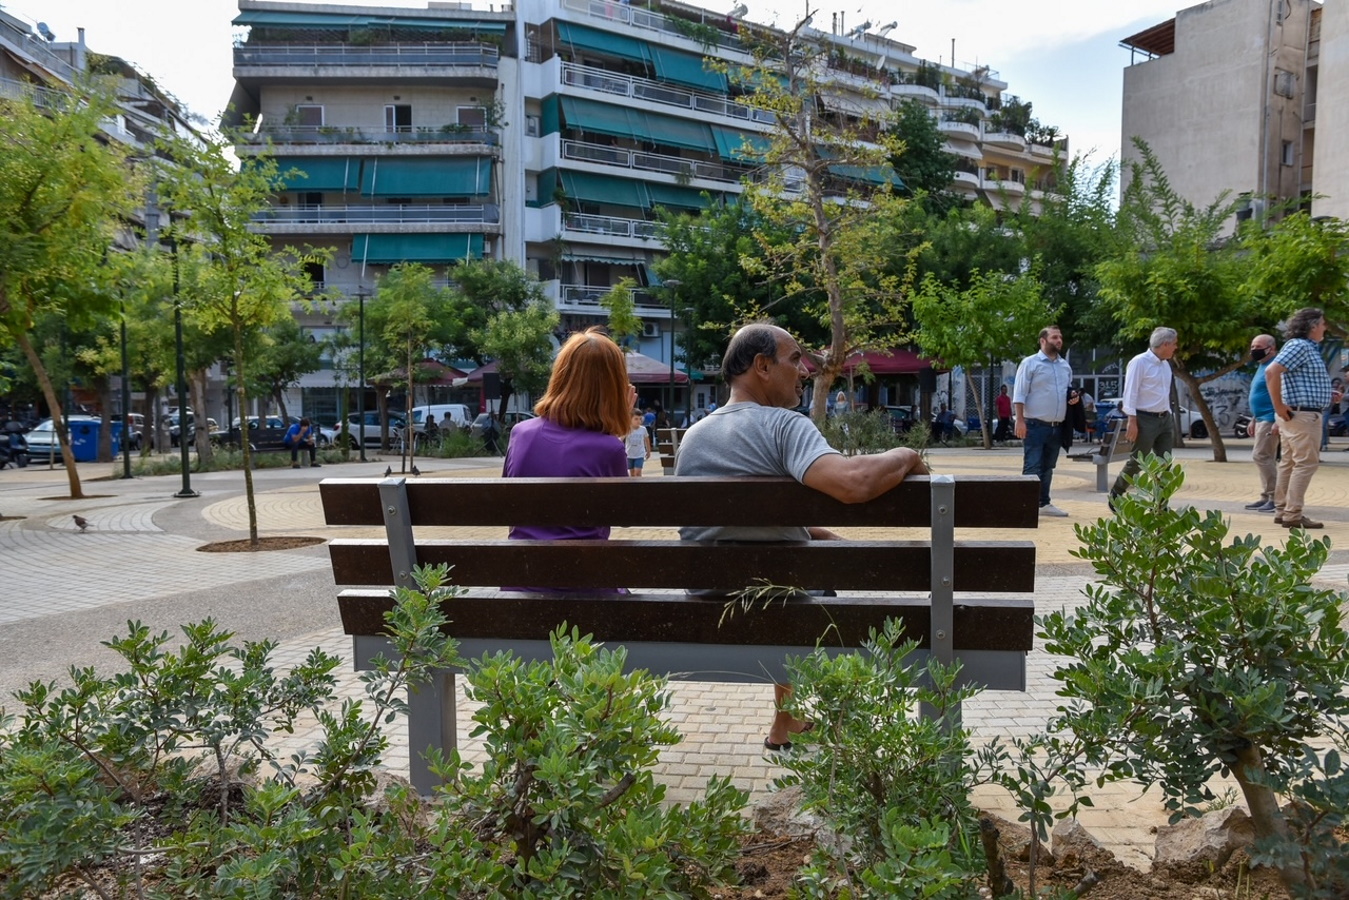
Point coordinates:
pixel 589 386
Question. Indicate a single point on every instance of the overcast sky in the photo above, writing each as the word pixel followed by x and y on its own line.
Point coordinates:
pixel 1061 55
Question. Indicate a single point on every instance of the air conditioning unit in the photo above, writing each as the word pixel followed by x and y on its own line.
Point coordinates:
pixel 532 126
pixel 650 329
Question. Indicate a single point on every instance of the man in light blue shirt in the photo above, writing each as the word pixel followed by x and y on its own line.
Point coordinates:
pixel 1040 397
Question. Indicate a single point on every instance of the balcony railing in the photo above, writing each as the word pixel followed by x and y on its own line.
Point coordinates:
pixel 390 214
pixel 678 166
pixel 421 55
pixel 656 92
pixel 589 295
pixel 610 225
pixel 644 19
pixel 361 134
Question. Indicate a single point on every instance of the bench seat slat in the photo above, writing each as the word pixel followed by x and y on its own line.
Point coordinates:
pixel 998 567
pixel 991 502
pixel 994 624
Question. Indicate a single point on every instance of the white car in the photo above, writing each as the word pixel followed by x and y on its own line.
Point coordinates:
pixel 1191 422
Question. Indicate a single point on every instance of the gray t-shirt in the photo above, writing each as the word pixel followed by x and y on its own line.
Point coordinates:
pixel 750 440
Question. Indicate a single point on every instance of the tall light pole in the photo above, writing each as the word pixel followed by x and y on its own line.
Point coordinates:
pixel 673 285
pixel 360 373
pixel 126 401
pixel 182 377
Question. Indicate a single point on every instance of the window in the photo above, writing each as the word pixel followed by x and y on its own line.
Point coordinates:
pixel 309 115
pixel 398 118
pixel 1288 156
pixel 473 116
pixel 311 199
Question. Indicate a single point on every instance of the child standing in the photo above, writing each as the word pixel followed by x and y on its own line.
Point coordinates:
pixel 638 444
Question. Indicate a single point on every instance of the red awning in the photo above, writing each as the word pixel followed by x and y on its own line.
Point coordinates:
pixel 897 361
pixel 426 372
pixel 642 369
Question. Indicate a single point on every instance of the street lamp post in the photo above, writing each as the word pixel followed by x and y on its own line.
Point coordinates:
pixel 126 401
pixel 673 285
pixel 360 373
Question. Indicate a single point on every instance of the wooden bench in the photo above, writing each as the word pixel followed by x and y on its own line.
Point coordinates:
pixel 667 442
pixel 669 632
pixel 1114 445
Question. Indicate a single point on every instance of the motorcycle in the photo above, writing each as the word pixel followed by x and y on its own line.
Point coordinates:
pixel 1240 425
pixel 13 446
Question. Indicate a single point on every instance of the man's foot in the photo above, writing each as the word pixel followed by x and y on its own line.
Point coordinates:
pixel 315 465
pixel 1301 522
pixel 1267 506
pixel 1259 504
pixel 295 465
pixel 1050 509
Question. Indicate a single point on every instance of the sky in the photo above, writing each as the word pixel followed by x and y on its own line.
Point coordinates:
pixel 1061 55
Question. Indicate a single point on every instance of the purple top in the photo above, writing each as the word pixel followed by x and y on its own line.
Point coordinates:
pixel 540 448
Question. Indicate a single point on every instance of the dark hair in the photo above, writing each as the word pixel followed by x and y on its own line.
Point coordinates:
pixel 1044 332
pixel 304 421
pixel 755 339
pixel 1301 323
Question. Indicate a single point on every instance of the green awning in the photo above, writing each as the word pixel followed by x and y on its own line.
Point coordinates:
pixel 436 177
pixel 872 174
pixel 602 118
pixel 319 173
pixel 741 146
pixel 675 132
pixel 603 42
pixel 388 249
pixel 600 189
pixel 686 69
pixel 282 19
pixel 673 195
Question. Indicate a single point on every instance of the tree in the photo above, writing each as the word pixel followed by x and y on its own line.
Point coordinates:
pixel 980 325
pixel 1302 262
pixel 826 186
pixel 64 189
pixel 230 278
pixel 924 165
pixel 1173 268
pixel 618 303
pixel 284 355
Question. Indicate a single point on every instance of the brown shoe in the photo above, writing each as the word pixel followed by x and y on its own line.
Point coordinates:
pixel 1278 518
pixel 1302 522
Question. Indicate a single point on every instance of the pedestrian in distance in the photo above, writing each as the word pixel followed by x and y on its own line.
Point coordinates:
pixel 1147 404
pixel 300 436
pixel 638 445
pixel 1299 390
pixel 1040 396
pixel 1263 426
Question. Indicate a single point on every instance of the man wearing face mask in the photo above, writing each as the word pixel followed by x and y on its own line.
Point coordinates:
pixel 1263 426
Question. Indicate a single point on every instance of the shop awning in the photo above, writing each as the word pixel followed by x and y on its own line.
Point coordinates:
pixel 741 146
pixel 600 189
pixel 389 249
pixel 686 69
pixel 440 177
pixel 322 173
pixel 604 42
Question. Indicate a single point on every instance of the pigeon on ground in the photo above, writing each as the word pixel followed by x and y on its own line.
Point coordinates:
pixel 81 522
pixel 415 470
pixel 388 470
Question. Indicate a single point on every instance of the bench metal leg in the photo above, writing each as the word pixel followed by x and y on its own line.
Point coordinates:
pixel 1102 476
pixel 431 723
pixel 943 579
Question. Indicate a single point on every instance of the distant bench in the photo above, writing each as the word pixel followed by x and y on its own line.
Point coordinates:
pixel 667 442
pixel 671 633
pixel 1114 445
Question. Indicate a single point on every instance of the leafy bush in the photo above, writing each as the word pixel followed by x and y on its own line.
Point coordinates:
pixel 854 432
pixel 895 787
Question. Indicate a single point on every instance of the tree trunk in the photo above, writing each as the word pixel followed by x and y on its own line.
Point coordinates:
pixel 152 420
pixel 58 416
pixel 105 454
pixel 984 429
pixel 244 442
pixel 1215 433
pixel 280 398
pixel 1263 804
pixel 196 385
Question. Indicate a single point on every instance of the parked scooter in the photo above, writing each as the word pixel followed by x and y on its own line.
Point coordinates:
pixel 1240 425
pixel 13 445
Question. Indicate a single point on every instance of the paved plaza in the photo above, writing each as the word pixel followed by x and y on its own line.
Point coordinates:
pixel 63 591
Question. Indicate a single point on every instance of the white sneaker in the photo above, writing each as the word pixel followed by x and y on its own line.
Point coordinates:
pixel 1050 509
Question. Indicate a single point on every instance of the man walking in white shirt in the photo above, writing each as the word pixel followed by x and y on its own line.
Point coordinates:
pixel 1147 403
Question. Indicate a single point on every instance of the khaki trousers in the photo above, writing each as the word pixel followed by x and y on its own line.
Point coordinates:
pixel 1264 454
pixel 1300 442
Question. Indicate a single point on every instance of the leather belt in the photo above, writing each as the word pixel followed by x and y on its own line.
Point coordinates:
pixel 1315 409
pixel 1043 422
pixel 1158 415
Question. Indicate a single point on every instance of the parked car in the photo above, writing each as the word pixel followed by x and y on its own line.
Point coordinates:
pixel 322 436
pixel 44 445
pixel 1191 422
pixel 211 427
pixel 510 420
pixel 901 418
pixel 371 426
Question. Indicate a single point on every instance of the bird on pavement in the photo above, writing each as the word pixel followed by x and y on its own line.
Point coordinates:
pixel 388 470
pixel 81 522
pixel 415 470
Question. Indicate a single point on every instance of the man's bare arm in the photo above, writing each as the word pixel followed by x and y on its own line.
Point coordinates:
pixel 857 479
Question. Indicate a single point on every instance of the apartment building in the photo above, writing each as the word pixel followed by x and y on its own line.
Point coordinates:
pixel 1226 94
pixel 549 133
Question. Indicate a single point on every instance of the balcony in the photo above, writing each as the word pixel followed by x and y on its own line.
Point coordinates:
pixel 958 130
pixel 678 166
pixel 579 223
pixel 586 295
pixel 363 134
pixel 650 91
pixel 387 214
pixel 646 20
pixel 1006 140
pixel 965 179
pixel 915 92
pixel 400 55
pixel 1002 185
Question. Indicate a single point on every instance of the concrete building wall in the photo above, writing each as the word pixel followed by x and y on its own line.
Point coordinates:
pixel 1331 154
pixel 1218 110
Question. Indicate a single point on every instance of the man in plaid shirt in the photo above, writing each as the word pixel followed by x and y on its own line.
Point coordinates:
pixel 1299 387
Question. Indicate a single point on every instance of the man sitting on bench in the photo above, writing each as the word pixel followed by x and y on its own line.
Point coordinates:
pixel 757 433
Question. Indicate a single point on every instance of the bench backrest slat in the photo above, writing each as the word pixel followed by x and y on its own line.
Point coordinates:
pixel 1005 566
pixel 989 502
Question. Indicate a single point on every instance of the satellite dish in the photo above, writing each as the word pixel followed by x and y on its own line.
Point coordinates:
pixel 46 32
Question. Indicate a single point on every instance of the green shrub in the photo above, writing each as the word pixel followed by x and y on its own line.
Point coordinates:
pixel 854 432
